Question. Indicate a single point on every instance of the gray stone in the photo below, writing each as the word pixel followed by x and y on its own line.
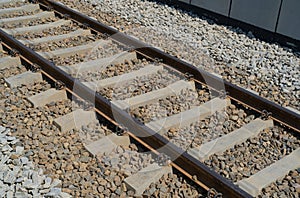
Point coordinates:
pixel 55 183
pixel 47 183
pixel 21 195
pixel 29 184
pixel 54 192
pixel 24 160
pixel 19 150
pixel 2 129
pixel 10 194
pixel 9 177
pixel 6 148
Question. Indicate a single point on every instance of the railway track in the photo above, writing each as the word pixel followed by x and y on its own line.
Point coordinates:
pixel 190 117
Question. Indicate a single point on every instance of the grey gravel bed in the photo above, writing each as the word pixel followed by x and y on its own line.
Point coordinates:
pixel 289 186
pixel 169 106
pixel 139 85
pixel 127 161
pixel 255 154
pixel 20 177
pixel 270 80
pixel 61 155
pixel 97 52
pixel 269 69
pixel 217 125
pixel 29 23
pixel 112 70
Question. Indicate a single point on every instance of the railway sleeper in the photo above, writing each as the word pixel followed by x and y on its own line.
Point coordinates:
pixel 98 64
pixel 7 2
pixel 107 144
pixel 26 19
pixel 37 28
pixel 228 141
pixel 26 78
pixel 121 79
pixel 46 97
pixel 255 183
pixel 141 180
pixel 81 49
pixel 25 8
pixel 8 62
pixel 38 41
pixel 187 117
pixel 147 98
pixel 75 120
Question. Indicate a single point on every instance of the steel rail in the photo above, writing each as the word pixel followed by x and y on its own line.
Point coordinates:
pixel 260 104
pixel 189 164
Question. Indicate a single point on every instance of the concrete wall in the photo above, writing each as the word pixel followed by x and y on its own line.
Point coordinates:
pixel 289 19
pixel 281 16
pixel 218 6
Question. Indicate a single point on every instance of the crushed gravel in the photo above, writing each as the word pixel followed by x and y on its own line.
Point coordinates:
pixel 269 69
pixel 256 153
